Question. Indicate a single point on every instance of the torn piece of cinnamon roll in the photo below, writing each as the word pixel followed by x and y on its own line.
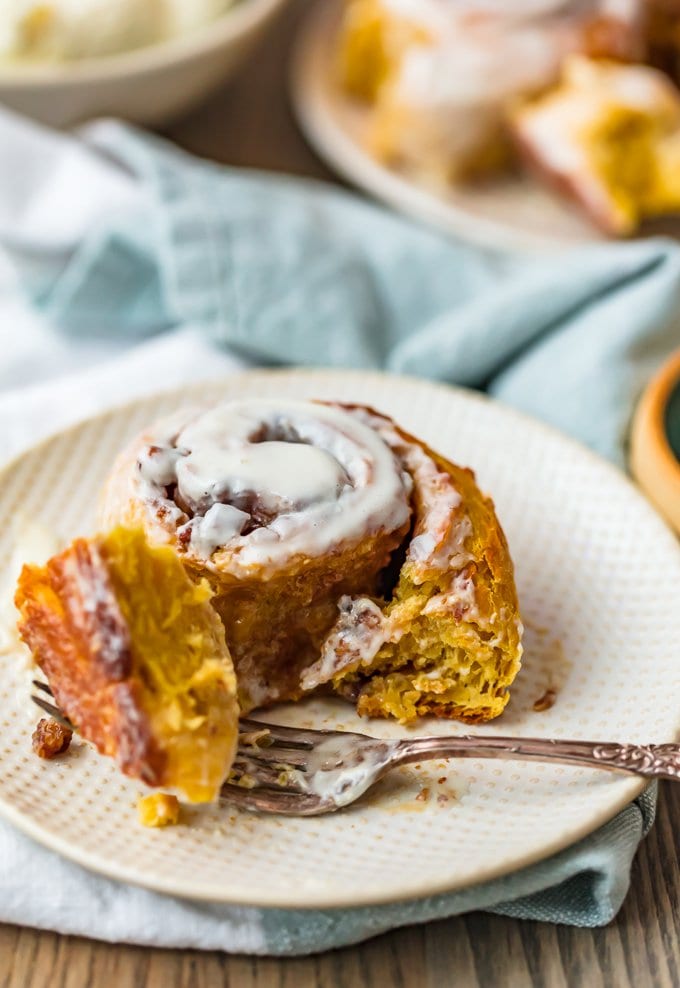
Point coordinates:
pixel 136 659
pixel 341 553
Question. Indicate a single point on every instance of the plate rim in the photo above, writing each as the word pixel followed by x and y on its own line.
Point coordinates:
pixel 628 789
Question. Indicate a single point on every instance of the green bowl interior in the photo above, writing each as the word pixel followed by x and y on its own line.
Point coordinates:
pixel 672 420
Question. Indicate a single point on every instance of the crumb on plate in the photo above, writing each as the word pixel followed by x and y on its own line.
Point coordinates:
pixel 158 810
pixel 257 739
pixel 545 701
pixel 50 738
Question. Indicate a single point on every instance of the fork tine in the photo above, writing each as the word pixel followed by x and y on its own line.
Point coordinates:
pixel 273 801
pixel 264 774
pixel 45 687
pixel 274 755
pixel 289 737
pixel 53 711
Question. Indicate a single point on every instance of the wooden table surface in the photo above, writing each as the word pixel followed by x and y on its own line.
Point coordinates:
pixel 249 123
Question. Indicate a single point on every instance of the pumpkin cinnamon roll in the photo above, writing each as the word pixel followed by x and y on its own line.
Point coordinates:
pixel 341 552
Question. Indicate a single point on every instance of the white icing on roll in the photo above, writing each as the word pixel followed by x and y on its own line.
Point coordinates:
pixel 256 482
pixel 286 475
pixel 439 540
pixel 439 544
pixel 355 639
pixel 220 524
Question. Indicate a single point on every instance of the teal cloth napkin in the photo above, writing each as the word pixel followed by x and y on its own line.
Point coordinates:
pixel 285 271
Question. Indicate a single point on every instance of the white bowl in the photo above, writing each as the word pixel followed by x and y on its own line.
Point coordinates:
pixel 148 85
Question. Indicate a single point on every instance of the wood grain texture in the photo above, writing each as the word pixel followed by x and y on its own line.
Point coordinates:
pixel 249 123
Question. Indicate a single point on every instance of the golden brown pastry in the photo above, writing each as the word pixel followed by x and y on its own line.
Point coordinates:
pixel 136 658
pixel 341 552
pixel 441 76
pixel 446 637
pixel 158 810
pixel 609 137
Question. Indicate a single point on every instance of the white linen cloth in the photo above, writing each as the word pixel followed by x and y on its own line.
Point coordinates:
pixel 52 189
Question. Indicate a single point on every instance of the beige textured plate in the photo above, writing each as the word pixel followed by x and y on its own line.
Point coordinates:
pixel 513 214
pixel 599 582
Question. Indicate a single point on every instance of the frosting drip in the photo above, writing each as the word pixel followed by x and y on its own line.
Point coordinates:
pixel 439 539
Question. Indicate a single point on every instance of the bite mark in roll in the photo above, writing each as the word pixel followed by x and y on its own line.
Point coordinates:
pixel 447 638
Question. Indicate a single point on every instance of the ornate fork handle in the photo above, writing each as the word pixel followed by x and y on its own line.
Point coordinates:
pixel 653 761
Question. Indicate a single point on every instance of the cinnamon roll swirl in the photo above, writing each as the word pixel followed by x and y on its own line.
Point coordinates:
pixel 342 554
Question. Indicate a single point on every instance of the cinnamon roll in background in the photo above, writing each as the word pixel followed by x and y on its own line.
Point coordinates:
pixel 444 78
pixel 609 137
pixel 339 552
pixel 441 74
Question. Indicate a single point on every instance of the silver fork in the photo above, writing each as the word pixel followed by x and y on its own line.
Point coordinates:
pixel 49 708
pixel 298 772
pixel 305 773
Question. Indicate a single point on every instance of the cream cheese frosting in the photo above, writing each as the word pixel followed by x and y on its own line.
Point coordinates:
pixel 259 481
